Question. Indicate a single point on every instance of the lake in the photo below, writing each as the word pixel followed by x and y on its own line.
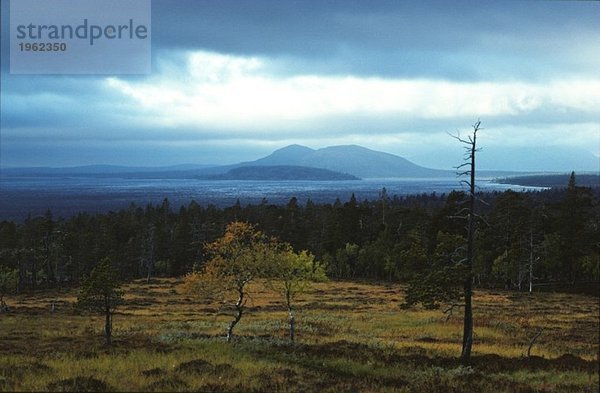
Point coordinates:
pixel 20 196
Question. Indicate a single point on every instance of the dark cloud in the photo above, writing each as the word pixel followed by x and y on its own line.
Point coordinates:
pixel 69 120
pixel 433 39
pixel 456 40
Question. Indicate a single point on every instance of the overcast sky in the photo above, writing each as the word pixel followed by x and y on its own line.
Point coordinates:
pixel 234 80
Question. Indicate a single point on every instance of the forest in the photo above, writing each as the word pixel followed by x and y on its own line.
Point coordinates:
pixel 349 296
pixel 545 237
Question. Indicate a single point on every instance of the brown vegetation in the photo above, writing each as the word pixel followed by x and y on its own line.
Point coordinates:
pixel 350 336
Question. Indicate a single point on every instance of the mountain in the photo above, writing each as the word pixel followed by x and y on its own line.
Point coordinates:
pixel 289 155
pixel 356 160
pixel 279 172
pixel 353 160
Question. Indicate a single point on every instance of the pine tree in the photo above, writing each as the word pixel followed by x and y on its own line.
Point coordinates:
pixel 100 293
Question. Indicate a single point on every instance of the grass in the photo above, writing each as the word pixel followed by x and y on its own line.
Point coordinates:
pixel 351 337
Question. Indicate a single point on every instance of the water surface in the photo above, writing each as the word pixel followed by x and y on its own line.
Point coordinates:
pixel 68 195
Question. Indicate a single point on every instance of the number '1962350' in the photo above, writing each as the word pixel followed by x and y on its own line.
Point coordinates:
pixel 43 46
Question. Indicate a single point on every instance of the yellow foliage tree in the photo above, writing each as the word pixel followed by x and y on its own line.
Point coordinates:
pixel 240 256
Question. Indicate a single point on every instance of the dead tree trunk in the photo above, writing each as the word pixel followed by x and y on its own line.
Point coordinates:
pixel 533 340
pixel 532 261
pixel 468 290
pixel 383 197
pixel 471 148
pixel 149 259
pixel 107 322
pixel 33 272
pixel 291 317
pixel 3 306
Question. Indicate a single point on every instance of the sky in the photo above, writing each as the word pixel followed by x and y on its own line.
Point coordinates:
pixel 234 80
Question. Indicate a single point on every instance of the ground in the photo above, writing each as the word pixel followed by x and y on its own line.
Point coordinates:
pixel 350 337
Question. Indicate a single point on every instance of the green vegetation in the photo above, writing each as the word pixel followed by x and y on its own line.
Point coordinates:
pixel 100 294
pixel 241 256
pixel 346 335
pixel 349 336
pixel 543 238
pixel 8 284
pixel 293 274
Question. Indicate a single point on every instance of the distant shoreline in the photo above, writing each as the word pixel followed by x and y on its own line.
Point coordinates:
pixel 553 181
pixel 66 196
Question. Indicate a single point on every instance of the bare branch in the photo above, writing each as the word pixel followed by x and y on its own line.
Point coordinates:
pixel 458 137
pixel 463 210
pixel 481 200
pixel 533 340
pixel 480 217
pixel 450 309
pixel 461 140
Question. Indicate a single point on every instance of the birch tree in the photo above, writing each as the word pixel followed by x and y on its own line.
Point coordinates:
pixel 241 256
pixel 293 275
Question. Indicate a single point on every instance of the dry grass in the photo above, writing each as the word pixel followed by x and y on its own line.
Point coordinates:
pixel 351 336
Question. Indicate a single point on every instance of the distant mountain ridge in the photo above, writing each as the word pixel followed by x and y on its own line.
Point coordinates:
pixel 355 160
pixel 349 159
pixel 279 172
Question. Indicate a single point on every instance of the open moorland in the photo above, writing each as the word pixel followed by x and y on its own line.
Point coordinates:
pixel 351 336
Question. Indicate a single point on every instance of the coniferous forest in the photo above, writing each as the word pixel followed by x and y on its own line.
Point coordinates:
pixel 350 296
pixel 546 237
pixel 260 196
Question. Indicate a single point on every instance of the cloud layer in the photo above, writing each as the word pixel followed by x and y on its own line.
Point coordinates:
pixel 224 91
pixel 234 80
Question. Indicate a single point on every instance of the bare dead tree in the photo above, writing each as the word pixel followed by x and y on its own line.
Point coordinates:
pixel 469 165
pixel 148 252
pixel 532 260
pixel 450 310
pixel 383 196
pixel 533 340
